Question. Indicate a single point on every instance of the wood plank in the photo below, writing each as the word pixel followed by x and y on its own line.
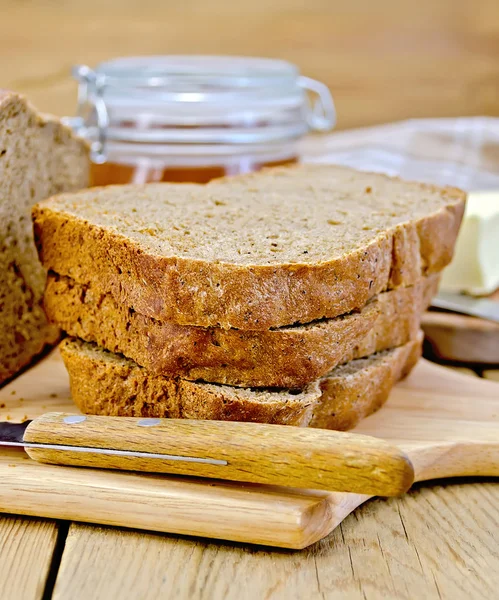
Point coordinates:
pixel 437 541
pixel 397 547
pixel 26 549
pixel 458 542
pixel 403 58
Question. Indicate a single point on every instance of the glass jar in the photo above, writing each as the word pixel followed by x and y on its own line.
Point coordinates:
pixel 194 118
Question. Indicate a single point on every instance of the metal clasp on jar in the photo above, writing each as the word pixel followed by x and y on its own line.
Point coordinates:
pixel 92 118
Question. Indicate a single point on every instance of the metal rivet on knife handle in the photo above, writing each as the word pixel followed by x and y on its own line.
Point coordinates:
pixel 73 419
pixel 149 422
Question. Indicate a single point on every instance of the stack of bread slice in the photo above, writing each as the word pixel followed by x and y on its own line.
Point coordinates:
pixel 290 296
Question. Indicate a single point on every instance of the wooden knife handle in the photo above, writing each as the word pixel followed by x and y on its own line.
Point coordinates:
pixel 251 452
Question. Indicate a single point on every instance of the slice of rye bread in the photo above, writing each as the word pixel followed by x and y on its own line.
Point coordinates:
pixel 288 245
pixel 288 357
pixel 108 384
pixel 39 157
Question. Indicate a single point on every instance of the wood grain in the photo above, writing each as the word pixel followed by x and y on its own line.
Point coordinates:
pixel 460 338
pixel 427 544
pixel 430 59
pixel 252 452
pixel 262 514
pixel 26 550
pixel 446 421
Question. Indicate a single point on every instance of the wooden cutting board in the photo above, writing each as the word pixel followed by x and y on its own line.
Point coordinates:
pixel 447 422
pixel 461 338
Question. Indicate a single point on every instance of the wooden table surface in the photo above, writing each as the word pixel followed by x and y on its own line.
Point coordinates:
pixel 383 61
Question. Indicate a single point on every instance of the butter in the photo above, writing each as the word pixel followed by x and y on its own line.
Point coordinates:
pixel 475 266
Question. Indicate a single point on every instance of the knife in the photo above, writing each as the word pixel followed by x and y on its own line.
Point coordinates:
pixel 467 305
pixel 247 452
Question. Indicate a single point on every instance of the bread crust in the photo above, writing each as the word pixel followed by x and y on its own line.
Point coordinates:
pixel 103 383
pixel 190 291
pixel 288 357
pixel 39 157
pixel 348 397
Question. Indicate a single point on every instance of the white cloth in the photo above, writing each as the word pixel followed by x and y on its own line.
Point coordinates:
pixel 462 152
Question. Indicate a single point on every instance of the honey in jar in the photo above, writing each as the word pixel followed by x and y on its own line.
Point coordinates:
pixel 111 172
pixel 195 118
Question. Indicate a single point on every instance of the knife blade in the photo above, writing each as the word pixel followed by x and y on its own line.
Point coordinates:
pixel 467 305
pixel 247 452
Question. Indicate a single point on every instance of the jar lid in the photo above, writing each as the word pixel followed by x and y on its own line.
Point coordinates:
pixel 214 72
pixel 198 99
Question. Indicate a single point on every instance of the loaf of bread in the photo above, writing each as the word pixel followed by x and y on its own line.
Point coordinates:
pixel 39 157
pixel 109 384
pixel 290 245
pixel 287 357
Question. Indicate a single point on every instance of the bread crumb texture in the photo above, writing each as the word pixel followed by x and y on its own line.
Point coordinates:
pixel 285 245
pixel 109 384
pixel 39 157
pixel 286 357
